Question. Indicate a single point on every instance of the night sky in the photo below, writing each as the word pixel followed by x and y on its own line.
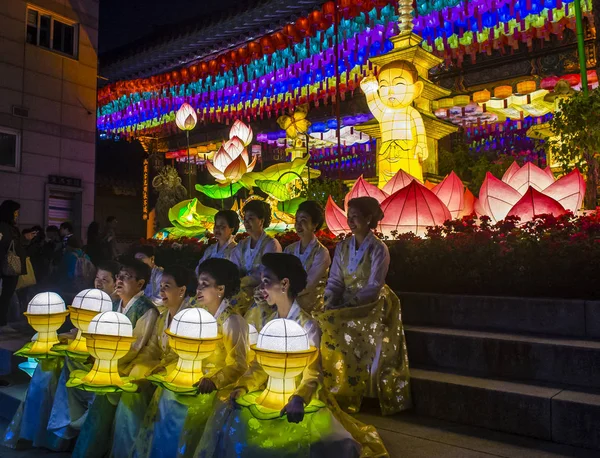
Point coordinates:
pixel 125 21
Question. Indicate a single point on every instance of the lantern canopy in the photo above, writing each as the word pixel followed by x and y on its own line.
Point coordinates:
pixel 186 117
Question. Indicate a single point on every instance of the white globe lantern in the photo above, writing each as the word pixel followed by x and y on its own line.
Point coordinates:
pixel 46 313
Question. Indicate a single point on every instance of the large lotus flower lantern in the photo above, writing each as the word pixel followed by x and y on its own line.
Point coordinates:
pixel 232 161
pixel 186 117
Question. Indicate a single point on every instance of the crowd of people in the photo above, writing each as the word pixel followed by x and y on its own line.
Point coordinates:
pixel 343 304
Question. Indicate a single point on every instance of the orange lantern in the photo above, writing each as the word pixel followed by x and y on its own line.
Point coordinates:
pixel 255 50
pixel 303 25
pixel 279 41
pixel 194 70
pixel 224 63
pixel 175 76
pixel 526 87
pixel 213 67
pixel 185 74
pixel 204 69
pixel 503 92
pixel 328 10
pixel 267 45
pixel 572 79
pixel 482 96
pixel 292 33
pixel 243 55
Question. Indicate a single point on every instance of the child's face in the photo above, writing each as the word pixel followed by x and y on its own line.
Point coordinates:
pixel 396 87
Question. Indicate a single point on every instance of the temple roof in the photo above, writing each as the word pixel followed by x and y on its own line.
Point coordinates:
pixel 202 38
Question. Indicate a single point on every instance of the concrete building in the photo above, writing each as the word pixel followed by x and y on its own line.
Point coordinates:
pixel 48 73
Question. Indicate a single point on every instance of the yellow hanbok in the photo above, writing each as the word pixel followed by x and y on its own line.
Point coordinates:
pixel 213 251
pixel 363 345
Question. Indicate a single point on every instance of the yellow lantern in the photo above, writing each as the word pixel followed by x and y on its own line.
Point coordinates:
pixel 109 337
pixel 446 103
pixel 193 335
pixel 283 351
pixel 503 92
pixel 46 313
pixel 482 96
pixel 526 87
pixel 252 339
pixel 461 100
pixel 86 305
pixel 186 117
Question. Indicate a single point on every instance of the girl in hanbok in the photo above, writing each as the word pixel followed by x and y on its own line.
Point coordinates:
pixel 363 347
pixel 306 426
pixel 227 224
pixel 174 423
pixel 71 405
pixel 313 255
pixel 247 255
pixel 94 439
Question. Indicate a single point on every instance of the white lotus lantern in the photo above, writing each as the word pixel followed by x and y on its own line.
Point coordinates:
pixel 46 313
pixel 186 117
pixel 86 305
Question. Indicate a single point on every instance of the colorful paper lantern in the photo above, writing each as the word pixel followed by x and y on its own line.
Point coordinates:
pixel 412 209
pixel 461 100
pixel 503 92
pixel 526 87
pixel 496 198
pixel 186 117
pixel 252 335
pixel 46 313
pixel 362 188
pixel 86 305
pixel 242 132
pixel 451 192
pixel 336 219
pixel 109 337
pixel 530 175
pixel 534 203
pixel 231 162
pixel 568 191
pixel 446 103
pixel 482 96
pixel 283 351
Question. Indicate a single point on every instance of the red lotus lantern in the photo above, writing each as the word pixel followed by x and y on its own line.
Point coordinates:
pixel 568 191
pixel 451 192
pixel 514 168
pixel 255 50
pixel 292 33
pixel 329 10
pixel 363 188
pixel 534 203
pixel 336 218
pixel 398 182
pixel 279 41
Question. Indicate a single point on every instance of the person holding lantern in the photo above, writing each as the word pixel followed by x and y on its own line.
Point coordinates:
pixel 309 423
pixel 356 291
pixel 247 255
pixel 227 224
pixel 131 281
pixel 313 255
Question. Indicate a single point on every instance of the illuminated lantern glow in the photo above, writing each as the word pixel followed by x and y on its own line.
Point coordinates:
pixel 451 192
pixel 336 218
pixel 274 189
pixel 283 350
pixel 109 337
pixel 231 162
pixel 533 204
pixel 468 204
pixel 530 175
pixel 478 208
pixel 526 87
pixel 514 168
pixel 461 100
pixel 46 313
pixel 482 96
pixel 446 103
pixel 429 185
pixel 496 198
pixel 86 305
pixel 568 191
pixel 186 117
pixel 362 188
pixel 398 181
pixel 503 92
pixel 548 171
pixel 252 334
pixel 412 209
pixel 242 132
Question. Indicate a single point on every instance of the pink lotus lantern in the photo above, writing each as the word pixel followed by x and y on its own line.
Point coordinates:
pixel 399 180
pixel 336 218
pixel 496 198
pixel 568 191
pixel 363 188
pixel 530 175
pixel 412 209
pixel 533 204
pixel 514 168
pixel 451 192
pixel 186 117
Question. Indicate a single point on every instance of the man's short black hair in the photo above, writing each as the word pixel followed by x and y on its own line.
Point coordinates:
pixel 67 226
pixel 141 270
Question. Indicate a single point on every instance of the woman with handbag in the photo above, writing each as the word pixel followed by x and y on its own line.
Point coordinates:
pixel 12 258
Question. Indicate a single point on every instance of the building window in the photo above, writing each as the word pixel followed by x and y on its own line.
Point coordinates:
pixel 52 32
pixel 10 149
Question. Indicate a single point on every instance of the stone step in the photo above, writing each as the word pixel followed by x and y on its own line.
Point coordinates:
pixel 576 318
pixel 544 412
pixel 510 356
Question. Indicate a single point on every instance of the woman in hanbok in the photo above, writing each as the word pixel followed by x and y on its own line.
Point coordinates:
pixel 307 425
pixel 363 345
pixel 313 255
pixel 247 255
pixel 174 423
pixel 146 254
pixel 227 223
pixel 96 431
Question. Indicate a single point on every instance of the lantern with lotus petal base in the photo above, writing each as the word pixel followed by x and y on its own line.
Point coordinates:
pixel 46 313
pixel 283 351
pixel 193 335
pixel 109 337
pixel 186 120
pixel 86 305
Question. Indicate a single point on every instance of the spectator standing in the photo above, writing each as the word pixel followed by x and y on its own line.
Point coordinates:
pixel 66 232
pixel 110 238
pixel 94 244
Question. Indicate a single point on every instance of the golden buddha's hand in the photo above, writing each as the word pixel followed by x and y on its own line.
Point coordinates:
pixel 294 410
pixel 205 386
pixel 369 84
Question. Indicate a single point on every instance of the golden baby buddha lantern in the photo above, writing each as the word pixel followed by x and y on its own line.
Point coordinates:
pixel 86 305
pixel 193 335
pixel 46 313
pixel 109 337
pixel 283 351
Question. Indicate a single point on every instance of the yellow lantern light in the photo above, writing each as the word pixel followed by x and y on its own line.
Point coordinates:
pixel 482 96
pixel 446 103
pixel 46 313
pixel 186 117
pixel 461 100
pixel 526 87
pixel 252 339
pixel 109 337
pixel 86 305
pixel 193 335
pixel 283 351
pixel 503 92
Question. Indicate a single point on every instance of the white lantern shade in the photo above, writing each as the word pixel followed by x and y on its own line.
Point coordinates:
pixel 252 334
pixel 241 131
pixel 281 335
pixel 46 304
pixel 93 300
pixel 194 323
pixel 111 324
pixel 186 117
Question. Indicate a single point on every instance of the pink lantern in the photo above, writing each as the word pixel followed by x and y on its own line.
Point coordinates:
pixel 533 204
pixel 241 131
pixel 186 118
pixel 530 175
pixel 548 171
pixel 514 168
pixel 451 192
pixel 400 180
pixel 468 204
pixel 234 147
pixel 478 208
pixel 568 191
pixel 496 198
pixel 412 209
pixel 335 218
pixel 363 188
